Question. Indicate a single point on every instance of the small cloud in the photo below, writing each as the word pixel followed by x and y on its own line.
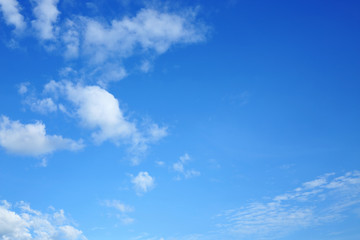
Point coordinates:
pixel 145 66
pixel 32 139
pixel 179 167
pixel 143 182
pixel 160 163
pixel 43 162
pixel 43 106
pixel 122 210
pixel 118 206
pixel 23 88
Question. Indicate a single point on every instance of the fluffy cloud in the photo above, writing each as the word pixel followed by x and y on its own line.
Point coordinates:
pixel 179 167
pixel 149 30
pixel 143 182
pixel 46 14
pixel 316 202
pixel 103 46
pixel 24 223
pixel 11 13
pixel 31 139
pixel 99 110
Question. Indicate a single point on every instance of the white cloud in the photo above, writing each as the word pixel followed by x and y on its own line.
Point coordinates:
pixel 118 206
pixel 11 13
pixel 179 167
pixel 148 30
pixel 122 209
pixel 99 111
pixel 31 139
pixel 143 182
pixel 145 66
pixel 318 202
pixel 43 106
pixel 46 14
pixel 24 223
pixel 71 40
pixel 160 163
pixel 156 133
pixel 23 88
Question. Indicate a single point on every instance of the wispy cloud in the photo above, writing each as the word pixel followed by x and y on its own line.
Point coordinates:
pixel 316 202
pixel 32 139
pixel 23 223
pixel 122 210
pixel 179 167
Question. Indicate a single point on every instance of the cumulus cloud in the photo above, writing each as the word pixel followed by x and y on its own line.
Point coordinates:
pixel 143 182
pixel 148 30
pixel 46 14
pixel 323 200
pixel 24 223
pixel 179 167
pixel 11 13
pixel 118 205
pixel 32 139
pixel 99 110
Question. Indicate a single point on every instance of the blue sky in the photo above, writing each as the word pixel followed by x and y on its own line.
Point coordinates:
pixel 154 120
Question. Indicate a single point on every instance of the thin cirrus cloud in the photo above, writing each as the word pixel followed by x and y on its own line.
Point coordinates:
pixel 317 202
pixel 23 223
pixel 32 139
pixel 11 12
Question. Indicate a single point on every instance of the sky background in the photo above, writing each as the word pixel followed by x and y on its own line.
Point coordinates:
pixel 179 120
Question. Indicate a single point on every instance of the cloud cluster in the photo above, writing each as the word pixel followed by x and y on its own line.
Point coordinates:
pixel 32 139
pixel 317 202
pixel 24 223
pixel 104 45
pixel 100 49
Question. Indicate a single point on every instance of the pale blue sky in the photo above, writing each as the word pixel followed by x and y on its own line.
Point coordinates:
pixel 179 120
